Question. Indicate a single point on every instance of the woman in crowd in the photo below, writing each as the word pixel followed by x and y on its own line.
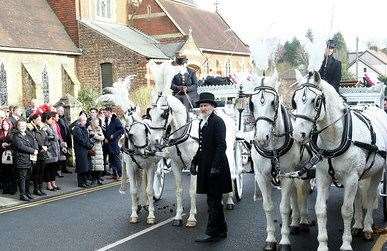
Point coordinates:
pixel 83 151
pixel 96 136
pixel 25 151
pixel 36 128
pixel 63 145
pixel 53 151
pixel 7 165
pixel 15 113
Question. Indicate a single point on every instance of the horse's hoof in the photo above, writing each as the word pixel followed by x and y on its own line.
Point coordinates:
pixel 191 224
pixel 270 246
pixel 230 206
pixel 177 223
pixel 133 220
pixel 286 247
pixel 304 228
pixel 357 232
pixel 294 230
pixel 151 221
pixel 368 236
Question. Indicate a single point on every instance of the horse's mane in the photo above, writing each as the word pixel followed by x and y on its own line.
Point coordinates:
pixel 333 99
pixel 176 105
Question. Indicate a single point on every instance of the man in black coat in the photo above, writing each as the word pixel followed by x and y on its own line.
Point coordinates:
pixel 330 69
pixel 185 83
pixel 64 126
pixel 113 132
pixel 213 171
pixel 82 147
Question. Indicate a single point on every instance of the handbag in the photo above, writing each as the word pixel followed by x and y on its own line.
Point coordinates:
pixel 6 157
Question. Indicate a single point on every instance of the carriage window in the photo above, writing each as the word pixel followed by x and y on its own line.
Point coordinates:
pixel 106 75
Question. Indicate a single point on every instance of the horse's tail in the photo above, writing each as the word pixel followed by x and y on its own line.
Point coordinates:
pixel 125 179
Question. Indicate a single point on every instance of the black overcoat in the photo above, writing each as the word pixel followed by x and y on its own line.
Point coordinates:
pixel 331 71
pixel 113 133
pixel 212 154
pixel 82 144
pixel 24 146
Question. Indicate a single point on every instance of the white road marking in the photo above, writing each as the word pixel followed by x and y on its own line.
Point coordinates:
pixel 131 237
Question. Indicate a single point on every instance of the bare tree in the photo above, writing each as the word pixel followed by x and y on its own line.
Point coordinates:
pixel 133 7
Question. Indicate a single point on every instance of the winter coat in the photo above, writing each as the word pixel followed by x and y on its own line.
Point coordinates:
pixel 24 146
pixel 212 154
pixel 189 80
pixel 82 144
pixel 53 150
pixel 331 71
pixel 65 131
pixel 42 140
pixel 113 132
pixel 96 136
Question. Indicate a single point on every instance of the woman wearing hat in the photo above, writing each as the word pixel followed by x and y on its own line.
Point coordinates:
pixel 330 69
pixel 185 83
pixel 214 178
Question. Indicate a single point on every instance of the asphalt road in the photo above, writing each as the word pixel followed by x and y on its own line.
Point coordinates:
pixel 97 219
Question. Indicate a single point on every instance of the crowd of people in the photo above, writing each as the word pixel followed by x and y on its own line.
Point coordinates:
pixel 37 146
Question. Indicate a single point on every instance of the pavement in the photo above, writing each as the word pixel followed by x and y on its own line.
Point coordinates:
pixel 100 221
pixel 68 184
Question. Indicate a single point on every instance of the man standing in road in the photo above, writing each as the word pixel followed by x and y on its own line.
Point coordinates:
pixel 330 69
pixel 211 165
pixel 113 132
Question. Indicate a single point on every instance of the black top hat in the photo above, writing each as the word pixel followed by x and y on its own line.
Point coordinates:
pixel 331 44
pixel 206 97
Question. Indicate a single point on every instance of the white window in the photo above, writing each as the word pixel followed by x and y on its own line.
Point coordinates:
pixel 3 85
pixel 105 9
pixel 228 67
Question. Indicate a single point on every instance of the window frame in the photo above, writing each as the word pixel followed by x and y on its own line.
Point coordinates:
pixel 98 8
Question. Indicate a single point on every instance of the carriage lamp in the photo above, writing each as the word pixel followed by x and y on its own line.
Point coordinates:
pixel 240 104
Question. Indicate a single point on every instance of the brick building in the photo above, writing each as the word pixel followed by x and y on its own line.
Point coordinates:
pixel 37 56
pixel 110 48
pixel 210 44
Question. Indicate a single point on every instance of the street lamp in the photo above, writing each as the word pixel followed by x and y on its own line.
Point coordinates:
pixel 240 104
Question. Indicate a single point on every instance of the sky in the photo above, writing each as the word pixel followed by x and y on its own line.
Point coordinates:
pixel 256 20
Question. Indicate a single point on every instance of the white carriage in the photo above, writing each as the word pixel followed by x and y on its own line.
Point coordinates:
pixel 359 97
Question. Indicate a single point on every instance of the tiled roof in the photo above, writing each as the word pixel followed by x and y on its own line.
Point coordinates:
pixel 209 29
pixel 129 38
pixel 32 25
pixel 170 49
pixel 379 56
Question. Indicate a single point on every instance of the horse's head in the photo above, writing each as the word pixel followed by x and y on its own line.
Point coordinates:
pixel 308 105
pixel 160 119
pixel 138 135
pixel 264 105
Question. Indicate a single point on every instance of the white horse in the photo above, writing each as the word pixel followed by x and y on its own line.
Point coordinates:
pixel 323 119
pixel 169 111
pixel 273 141
pixel 138 158
pixel 138 167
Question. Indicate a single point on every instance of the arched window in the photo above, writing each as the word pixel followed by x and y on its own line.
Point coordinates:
pixel 104 8
pixel 228 68
pixel 45 86
pixel 149 9
pixel 3 86
pixel 106 75
pixel 207 67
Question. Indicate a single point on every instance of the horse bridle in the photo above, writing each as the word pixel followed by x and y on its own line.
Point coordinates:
pixel 130 136
pixel 261 90
pixel 319 102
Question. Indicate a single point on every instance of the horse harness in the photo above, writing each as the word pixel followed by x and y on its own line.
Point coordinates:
pixel 132 152
pixel 346 138
pixel 175 141
pixel 274 154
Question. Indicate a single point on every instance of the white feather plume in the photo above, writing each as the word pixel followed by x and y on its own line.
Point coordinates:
pixel 162 75
pixel 315 51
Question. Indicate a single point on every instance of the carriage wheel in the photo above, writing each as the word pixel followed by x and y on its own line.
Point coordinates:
pixel 158 183
pixel 384 195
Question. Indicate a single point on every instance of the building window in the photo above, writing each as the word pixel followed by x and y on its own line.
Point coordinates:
pixel 107 75
pixel 3 86
pixel 104 9
pixel 228 68
pixel 207 67
pixel 149 9
pixel 45 86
